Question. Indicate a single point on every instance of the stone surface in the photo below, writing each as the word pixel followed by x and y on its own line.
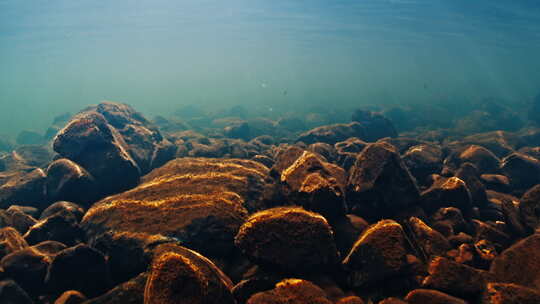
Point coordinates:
pixel 380 184
pixel 79 268
pixel 454 278
pixel 291 291
pixel 447 192
pixel 522 170
pixel 378 254
pixel 11 293
pixel 428 296
pixel 10 241
pixel 529 208
pixel 68 181
pixel 332 134
pixel 71 297
pixel 91 142
pixel 180 275
pixel 201 202
pixel 288 238
pixel 500 293
pixel 431 241
pixel 28 268
pixel 24 187
pixel 519 264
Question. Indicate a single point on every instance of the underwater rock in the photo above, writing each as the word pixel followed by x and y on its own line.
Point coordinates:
pixel 10 241
pixel 17 219
pixel 522 170
pixel 180 275
pixel 60 227
pixel 375 124
pixel 201 202
pixel 291 124
pixel 529 206
pixel 331 134
pixel 239 130
pixel 519 264
pixel 501 293
pixel 12 293
pixel 291 291
pixel 21 187
pixel 496 182
pixel 61 207
pixel 26 137
pixel 423 160
pixel 71 297
pixel 79 268
pixel 326 150
pixel 315 184
pixel 431 241
pixel 429 296
pixel 380 185
pixel 91 142
pixel 350 300
pixel 130 292
pixel 28 268
pixel 34 155
pixel 468 173
pixel 378 254
pixel 501 143
pixel 483 159
pixel 447 192
pixel 454 278
pixel 49 248
pixel 5 145
pixel 67 181
pixel 289 238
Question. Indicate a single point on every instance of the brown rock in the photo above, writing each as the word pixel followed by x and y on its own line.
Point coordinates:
pixel 497 182
pixel 519 264
pixel 68 181
pixel 291 291
pixel 431 241
pixel 378 254
pixel 429 296
pixel 24 187
pixel 95 145
pixel 332 134
pixel 529 206
pixel 522 170
pixel 454 278
pixel 380 184
pixel 10 241
pixel 289 238
pixel 501 293
pixel 71 297
pixel 202 202
pixel 423 160
pixel 179 275
pixel 350 300
pixel 481 158
pixel 130 292
pixel 450 192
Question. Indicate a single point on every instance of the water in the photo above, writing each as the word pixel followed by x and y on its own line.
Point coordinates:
pixel 60 55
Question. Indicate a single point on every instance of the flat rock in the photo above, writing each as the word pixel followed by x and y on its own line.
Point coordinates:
pixel 201 202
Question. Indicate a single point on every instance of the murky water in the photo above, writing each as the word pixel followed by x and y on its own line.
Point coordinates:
pixel 58 56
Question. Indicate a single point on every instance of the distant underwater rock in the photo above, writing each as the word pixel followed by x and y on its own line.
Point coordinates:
pixel 376 125
pixel 332 134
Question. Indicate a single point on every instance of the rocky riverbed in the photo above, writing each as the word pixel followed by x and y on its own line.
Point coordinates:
pixel 109 207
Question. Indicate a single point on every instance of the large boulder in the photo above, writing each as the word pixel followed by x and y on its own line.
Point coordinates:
pixel 201 202
pixel 114 143
pixel 67 181
pixel 291 291
pixel 23 187
pixel 380 185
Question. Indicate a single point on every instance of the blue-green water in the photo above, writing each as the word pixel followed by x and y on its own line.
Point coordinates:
pixel 60 55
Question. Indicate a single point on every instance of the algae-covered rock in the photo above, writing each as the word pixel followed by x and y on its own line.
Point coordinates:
pixel 180 275
pixel 288 238
pixel 292 291
pixel 201 202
